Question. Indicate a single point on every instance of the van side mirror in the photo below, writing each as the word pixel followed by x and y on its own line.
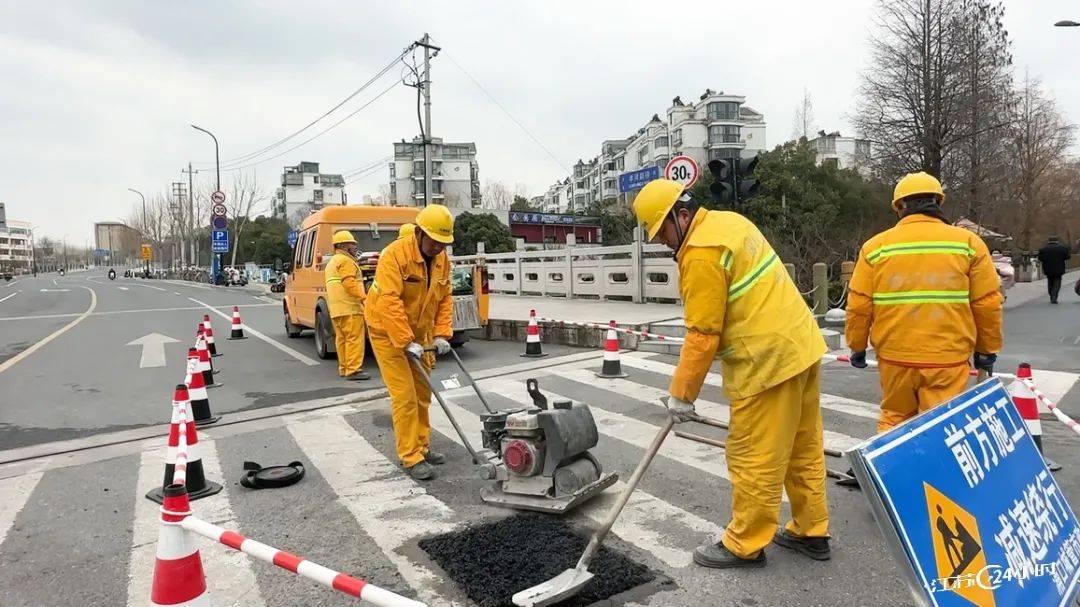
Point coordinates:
pixel 278 265
pixel 286 267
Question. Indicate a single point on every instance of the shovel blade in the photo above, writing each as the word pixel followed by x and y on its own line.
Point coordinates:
pixel 563 586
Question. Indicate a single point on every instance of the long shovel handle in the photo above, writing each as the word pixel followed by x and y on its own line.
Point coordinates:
pixel 435 392
pixel 643 465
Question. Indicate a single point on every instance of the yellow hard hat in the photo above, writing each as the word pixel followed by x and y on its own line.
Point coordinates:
pixel 917 183
pixel 342 236
pixel 407 229
pixel 654 202
pixel 437 222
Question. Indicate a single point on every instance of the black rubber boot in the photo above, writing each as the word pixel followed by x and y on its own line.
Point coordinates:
pixel 717 556
pixel 421 471
pixel 434 457
pixel 816 548
pixel 358 376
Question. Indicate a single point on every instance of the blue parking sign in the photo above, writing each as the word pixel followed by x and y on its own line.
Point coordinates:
pixel 969 508
pixel 219 241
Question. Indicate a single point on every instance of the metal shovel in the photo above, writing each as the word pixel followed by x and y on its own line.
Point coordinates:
pixel 570 582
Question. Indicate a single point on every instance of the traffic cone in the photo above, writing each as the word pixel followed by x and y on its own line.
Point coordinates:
pixel 205 364
pixel 532 338
pixel 196 483
pixel 200 343
pixel 237 324
pixel 179 579
pixel 200 401
pixel 208 331
pixel 612 366
pixel 1028 407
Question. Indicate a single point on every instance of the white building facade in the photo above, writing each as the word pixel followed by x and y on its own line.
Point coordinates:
pixel 842 152
pixel 455 174
pixel 16 249
pixel 305 190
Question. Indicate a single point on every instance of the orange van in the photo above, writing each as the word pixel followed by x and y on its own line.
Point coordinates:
pixel 374 227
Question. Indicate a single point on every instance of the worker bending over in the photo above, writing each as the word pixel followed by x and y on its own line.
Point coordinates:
pixel 409 311
pixel 345 297
pixel 741 305
pixel 926 295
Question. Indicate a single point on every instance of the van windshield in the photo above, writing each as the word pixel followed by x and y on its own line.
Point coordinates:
pixel 367 243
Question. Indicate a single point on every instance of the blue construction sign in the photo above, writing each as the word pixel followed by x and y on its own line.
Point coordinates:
pixel 969 508
pixel 293 234
pixel 219 241
pixel 635 180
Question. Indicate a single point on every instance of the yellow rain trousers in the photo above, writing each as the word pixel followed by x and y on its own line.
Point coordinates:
pixel 349 340
pixel 775 443
pixel 742 306
pixel 908 391
pixel 410 399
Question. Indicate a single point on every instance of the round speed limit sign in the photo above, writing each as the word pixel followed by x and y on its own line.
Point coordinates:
pixel 683 169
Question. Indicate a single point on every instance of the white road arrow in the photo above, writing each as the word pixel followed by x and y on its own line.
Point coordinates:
pixel 153 349
pixel 55 290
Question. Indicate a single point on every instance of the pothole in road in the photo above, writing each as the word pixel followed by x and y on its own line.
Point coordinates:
pixel 492 561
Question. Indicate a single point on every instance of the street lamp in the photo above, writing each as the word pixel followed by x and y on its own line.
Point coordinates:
pixel 144 224
pixel 217 168
pixel 1067 23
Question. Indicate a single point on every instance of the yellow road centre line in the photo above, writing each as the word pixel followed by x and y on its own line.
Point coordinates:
pixel 11 362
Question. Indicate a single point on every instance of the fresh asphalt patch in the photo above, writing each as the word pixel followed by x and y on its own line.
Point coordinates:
pixel 493 560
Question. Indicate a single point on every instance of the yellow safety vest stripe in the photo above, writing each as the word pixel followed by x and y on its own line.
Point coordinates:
pixel 921 297
pixel 920 248
pixel 742 286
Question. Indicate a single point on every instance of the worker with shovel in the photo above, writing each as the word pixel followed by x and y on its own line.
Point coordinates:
pixel 409 312
pixel 741 305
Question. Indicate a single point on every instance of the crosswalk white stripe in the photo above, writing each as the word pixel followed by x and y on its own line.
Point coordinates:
pixel 391 508
pixel 14 491
pixel 828 401
pixel 229 574
pixel 643 515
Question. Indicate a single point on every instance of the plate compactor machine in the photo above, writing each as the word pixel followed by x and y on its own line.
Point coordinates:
pixel 537 457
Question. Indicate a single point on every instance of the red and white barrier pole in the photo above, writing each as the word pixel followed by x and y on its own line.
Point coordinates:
pixel 592 325
pixel 1065 419
pixel 299 565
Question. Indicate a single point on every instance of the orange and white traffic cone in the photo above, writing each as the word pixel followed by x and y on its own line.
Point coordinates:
pixel 179 579
pixel 200 401
pixel 208 331
pixel 1028 406
pixel 196 483
pixel 532 338
pixel 237 324
pixel 612 365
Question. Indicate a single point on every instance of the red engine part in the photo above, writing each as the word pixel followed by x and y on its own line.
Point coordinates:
pixel 520 457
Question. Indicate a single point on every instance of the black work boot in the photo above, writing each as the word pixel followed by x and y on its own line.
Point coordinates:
pixel 358 376
pixel 434 457
pixel 421 471
pixel 717 556
pixel 816 548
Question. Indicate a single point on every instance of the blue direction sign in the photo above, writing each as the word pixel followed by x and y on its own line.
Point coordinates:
pixel 966 502
pixel 219 241
pixel 292 239
pixel 635 180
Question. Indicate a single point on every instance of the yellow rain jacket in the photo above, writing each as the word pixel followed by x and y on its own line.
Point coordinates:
pixel 741 305
pixel 344 291
pixel 405 304
pixel 924 293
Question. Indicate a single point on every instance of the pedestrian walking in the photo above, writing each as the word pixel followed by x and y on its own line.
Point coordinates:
pixel 926 295
pixel 1005 271
pixel 409 312
pixel 345 297
pixel 741 305
pixel 1053 257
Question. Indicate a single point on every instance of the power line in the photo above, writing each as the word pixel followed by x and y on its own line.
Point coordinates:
pixel 367 166
pixel 364 174
pixel 508 114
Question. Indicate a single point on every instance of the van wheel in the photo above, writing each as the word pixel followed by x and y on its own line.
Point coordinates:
pixel 322 335
pixel 292 330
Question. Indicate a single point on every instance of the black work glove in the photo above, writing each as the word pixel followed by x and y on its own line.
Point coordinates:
pixel 858 359
pixel 985 362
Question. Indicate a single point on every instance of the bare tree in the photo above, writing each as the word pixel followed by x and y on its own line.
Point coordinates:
pixel 244 198
pixel 804 117
pixel 496 196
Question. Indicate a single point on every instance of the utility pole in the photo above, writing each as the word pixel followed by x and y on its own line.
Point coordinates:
pixel 177 209
pixel 191 216
pixel 426 84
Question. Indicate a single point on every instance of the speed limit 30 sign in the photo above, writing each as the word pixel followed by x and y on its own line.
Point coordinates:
pixel 683 170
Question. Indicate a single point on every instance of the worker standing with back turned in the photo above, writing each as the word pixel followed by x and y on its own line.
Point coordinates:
pixel 741 305
pixel 410 311
pixel 345 297
pixel 927 296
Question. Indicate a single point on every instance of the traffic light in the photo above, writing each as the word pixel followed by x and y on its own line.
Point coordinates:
pixel 733 180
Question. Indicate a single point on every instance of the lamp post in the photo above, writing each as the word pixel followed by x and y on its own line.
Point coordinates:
pixel 144 224
pixel 216 265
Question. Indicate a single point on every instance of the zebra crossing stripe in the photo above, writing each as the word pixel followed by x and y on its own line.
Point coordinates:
pixel 14 492
pixel 639 522
pixel 375 491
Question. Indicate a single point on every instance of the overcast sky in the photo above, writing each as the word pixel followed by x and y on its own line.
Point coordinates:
pixel 97 96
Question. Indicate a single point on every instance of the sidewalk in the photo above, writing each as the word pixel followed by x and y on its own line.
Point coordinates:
pixel 514 307
pixel 1025 292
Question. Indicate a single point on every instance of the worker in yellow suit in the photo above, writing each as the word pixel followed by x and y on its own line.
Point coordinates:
pixel 926 295
pixel 409 312
pixel 741 305
pixel 345 297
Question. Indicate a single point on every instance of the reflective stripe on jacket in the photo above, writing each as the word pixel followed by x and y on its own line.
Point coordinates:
pixel 344 291
pixel 403 304
pixel 925 293
pixel 740 304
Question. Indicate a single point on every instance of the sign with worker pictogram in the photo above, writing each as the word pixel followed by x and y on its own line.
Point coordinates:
pixel 218 197
pixel 683 169
pixel 147 252
pixel 969 508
